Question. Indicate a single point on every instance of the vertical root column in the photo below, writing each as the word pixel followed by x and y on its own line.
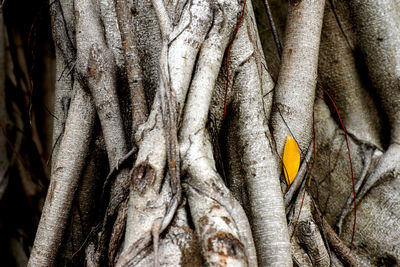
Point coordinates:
pixel 64 179
pixel 220 221
pixel 261 176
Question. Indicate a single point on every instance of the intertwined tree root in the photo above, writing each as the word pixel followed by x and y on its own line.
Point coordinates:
pixel 202 180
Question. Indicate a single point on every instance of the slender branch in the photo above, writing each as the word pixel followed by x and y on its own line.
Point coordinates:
pixel 347 207
pixel 273 28
pixel 118 232
pixel 300 176
pixel 102 85
pixel 228 52
pixel 334 241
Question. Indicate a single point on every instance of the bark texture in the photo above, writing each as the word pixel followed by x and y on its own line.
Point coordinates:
pixel 168 121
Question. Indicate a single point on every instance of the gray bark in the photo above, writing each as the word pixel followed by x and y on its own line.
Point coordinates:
pixel 158 158
pixel 65 179
pixel 295 89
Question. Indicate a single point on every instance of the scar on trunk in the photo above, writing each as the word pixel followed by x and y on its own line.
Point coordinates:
pixel 142 177
pixel 225 244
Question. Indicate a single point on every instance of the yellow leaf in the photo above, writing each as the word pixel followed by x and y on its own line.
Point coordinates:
pixel 291 159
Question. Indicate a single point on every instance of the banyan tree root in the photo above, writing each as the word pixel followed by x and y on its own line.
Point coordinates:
pixel 338 74
pixel 70 157
pixel 259 168
pixel 377 32
pixel 306 235
pixel 338 247
pixel 79 147
pixel 133 68
pixel 102 84
pixel 295 89
pixel 149 191
pixel 191 59
pixel 64 179
pixel 220 222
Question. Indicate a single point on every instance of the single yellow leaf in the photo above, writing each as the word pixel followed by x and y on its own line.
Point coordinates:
pixel 291 159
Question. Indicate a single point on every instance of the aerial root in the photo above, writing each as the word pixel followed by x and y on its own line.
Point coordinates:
pixel 307 234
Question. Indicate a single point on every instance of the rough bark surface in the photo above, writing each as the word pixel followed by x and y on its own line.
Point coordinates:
pixel 168 122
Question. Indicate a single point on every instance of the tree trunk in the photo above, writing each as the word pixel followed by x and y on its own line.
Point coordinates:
pixel 168 122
